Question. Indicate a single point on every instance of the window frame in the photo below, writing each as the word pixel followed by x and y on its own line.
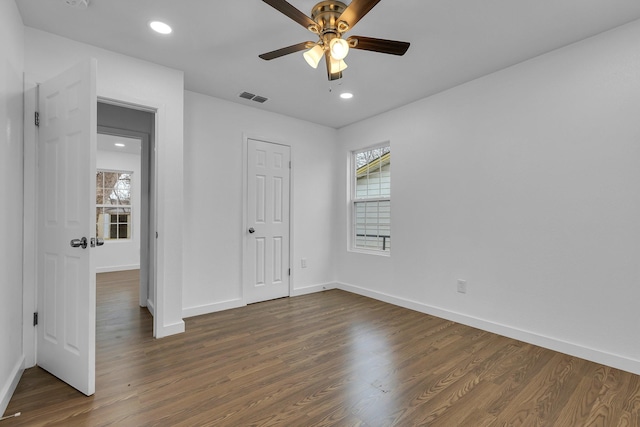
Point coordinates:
pixel 354 200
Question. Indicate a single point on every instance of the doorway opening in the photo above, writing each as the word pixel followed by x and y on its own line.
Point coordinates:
pixel 125 214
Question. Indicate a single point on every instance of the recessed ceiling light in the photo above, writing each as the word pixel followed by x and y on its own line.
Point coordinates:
pixel 160 27
pixel 119 144
pixel 346 95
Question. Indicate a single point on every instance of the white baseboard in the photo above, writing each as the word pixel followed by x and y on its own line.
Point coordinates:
pixel 211 308
pixel 597 356
pixel 313 289
pixel 166 330
pixel 117 268
pixel 9 387
pixel 235 303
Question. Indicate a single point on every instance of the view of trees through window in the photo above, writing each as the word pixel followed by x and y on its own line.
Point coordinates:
pixel 113 204
pixel 372 199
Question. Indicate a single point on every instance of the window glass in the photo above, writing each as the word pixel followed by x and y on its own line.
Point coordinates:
pixel 113 204
pixel 371 199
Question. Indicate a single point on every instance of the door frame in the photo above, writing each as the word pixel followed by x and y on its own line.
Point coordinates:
pixel 155 302
pixel 30 218
pixel 245 194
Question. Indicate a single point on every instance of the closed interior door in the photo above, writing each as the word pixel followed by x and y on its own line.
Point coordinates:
pixel 267 235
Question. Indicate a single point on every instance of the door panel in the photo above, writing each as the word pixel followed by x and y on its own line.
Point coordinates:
pixel 267 260
pixel 66 199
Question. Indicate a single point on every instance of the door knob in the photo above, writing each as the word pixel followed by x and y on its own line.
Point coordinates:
pixel 96 242
pixel 79 243
pixel 251 230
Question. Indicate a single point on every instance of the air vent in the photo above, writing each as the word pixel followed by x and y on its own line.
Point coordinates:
pixel 252 97
pixel 80 4
pixel 246 95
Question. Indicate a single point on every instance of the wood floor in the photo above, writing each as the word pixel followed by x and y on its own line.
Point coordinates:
pixel 326 359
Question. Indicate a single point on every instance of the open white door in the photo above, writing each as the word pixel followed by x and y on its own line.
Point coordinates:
pixel 267 246
pixel 66 214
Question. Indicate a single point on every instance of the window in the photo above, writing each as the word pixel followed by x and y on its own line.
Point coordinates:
pixel 113 204
pixel 371 199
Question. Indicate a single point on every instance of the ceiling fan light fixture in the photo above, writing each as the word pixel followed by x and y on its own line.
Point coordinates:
pixel 330 20
pixel 314 55
pixel 337 66
pixel 339 48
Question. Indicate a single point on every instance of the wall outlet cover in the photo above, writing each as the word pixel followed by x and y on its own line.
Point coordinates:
pixel 462 286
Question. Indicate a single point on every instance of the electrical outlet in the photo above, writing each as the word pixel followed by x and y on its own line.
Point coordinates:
pixel 462 286
pixel 303 263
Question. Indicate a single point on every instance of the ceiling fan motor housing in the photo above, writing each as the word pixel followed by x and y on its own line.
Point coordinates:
pixel 326 15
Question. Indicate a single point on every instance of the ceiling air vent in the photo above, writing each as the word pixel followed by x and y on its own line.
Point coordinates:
pixel 251 96
pixel 80 4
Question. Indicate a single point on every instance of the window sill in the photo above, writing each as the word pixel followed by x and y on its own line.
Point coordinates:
pixel 386 254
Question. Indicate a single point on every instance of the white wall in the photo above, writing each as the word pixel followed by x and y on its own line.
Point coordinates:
pixel 525 183
pixel 142 83
pixel 213 231
pixel 11 200
pixel 117 255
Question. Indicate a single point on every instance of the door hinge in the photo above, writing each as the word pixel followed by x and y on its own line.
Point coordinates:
pixel 289 272
pixel 37 119
pixel 289 164
pixel 35 318
pixel 156 234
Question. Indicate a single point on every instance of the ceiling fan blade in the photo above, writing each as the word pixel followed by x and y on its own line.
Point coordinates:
pixel 356 10
pixel 392 47
pixel 286 51
pixel 286 8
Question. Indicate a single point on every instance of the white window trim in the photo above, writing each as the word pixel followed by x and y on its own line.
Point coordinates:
pixel 352 200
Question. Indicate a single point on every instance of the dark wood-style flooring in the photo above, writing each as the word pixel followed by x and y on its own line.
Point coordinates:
pixel 326 359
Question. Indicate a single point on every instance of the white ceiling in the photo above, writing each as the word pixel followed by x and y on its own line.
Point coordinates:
pixel 108 143
pixel 216 43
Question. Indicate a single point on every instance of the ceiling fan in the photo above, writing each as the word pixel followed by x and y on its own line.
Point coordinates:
pixel 330 20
